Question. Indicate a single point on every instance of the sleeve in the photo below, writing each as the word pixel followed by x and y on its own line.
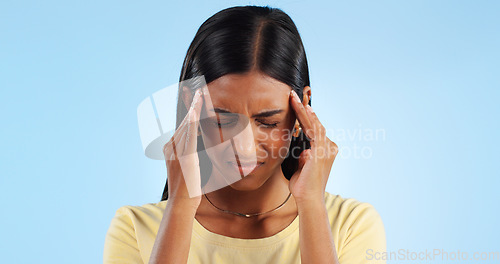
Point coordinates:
pixel 365 242
pixel 120 245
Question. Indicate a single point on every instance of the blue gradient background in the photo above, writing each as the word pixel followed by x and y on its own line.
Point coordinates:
pixel 425 72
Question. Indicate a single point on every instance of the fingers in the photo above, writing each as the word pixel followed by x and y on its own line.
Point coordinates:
pixel 302 116
pixel 184 140
pixel 319 129
pixel 188 160
pixel 194 122
pixel 173 148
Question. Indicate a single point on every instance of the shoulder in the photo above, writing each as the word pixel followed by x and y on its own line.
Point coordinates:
pixel 356 227
pixel 130 221
pixel 142 210
pixel 132 232
pixel 347 207
pixel 351 215
pixel 143 214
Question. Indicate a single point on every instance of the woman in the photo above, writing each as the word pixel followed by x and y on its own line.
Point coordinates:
pixel 261 163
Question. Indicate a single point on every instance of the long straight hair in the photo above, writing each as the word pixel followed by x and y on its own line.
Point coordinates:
pixel 241 39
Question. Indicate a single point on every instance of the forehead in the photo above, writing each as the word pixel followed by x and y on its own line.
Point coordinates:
pixel 251 90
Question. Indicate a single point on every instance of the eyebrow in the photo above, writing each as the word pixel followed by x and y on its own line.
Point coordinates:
pixel 265 113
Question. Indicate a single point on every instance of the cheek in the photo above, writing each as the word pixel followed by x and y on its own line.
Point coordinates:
pixel 276 142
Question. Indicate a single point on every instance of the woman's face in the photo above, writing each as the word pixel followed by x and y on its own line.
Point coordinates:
pixel 246 124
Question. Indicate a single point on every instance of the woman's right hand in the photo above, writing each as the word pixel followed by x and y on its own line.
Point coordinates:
pixel 183 170
pixel 184 190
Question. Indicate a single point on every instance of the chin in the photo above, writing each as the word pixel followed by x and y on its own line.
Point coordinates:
pixel 248 183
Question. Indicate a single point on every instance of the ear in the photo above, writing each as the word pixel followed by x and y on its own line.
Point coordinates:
pixel 306 95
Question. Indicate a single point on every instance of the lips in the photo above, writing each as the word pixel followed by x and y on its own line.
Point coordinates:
pixel 247 167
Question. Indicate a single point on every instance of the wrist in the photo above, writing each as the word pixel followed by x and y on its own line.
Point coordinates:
pixel 310 205
pixel 183 205
pixel 310 199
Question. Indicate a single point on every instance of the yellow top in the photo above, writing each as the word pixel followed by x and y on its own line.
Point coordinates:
pixel 357 229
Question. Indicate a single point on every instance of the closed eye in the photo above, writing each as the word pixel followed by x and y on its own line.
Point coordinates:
pixel 232 123
pixel 224 124
pixel 269 125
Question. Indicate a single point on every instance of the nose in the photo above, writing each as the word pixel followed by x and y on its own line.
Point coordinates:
pixel 244 145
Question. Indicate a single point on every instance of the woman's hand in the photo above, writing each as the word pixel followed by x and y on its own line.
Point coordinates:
pixel 308 183
pixel 184 191
pixel 184 183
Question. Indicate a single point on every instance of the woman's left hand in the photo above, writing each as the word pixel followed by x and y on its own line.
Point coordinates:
pixel 308 183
